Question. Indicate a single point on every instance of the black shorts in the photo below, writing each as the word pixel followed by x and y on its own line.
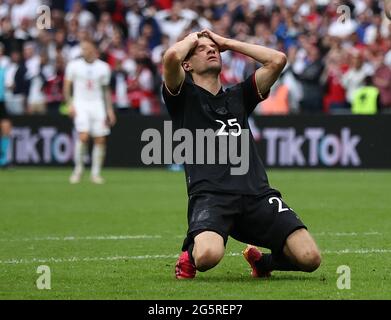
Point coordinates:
pixel 3 111
pixel 264 221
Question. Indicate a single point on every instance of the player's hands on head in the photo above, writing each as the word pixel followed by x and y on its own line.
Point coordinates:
pixel 220 41
pixel 193 38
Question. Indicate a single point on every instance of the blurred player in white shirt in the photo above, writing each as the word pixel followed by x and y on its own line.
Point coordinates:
pixel 88 78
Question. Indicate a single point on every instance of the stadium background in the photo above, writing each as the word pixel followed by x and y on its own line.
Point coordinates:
pixel 338 52
pixel 121 240
pixel 332 46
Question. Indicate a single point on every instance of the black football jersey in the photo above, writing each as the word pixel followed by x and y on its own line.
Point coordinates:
pixel 227 112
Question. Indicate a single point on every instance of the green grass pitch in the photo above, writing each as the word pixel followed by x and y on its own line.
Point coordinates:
pixel 120 240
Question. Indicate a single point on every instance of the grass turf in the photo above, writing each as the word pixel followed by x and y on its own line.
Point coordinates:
pixel 347 211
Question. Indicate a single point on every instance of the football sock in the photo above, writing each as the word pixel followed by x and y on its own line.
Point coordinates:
pixel 80 151
pixel 4 145
pixel 98 154
pixel 270 262
pixel 190 251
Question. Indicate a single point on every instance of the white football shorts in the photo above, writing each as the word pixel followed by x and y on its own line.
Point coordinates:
pixel 91 120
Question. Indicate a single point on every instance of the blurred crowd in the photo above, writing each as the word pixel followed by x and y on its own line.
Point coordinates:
pixel 339 52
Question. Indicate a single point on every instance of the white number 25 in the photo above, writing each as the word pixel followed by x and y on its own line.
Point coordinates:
pixel 231 123
pixel 280 208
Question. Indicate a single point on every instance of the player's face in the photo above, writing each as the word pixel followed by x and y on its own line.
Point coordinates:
pixel 206 57
pixel 88 51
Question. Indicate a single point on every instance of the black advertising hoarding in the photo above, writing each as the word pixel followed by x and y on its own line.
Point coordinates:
pixel 285 141
pixel 326 141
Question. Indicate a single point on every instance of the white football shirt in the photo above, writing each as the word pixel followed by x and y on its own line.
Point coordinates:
pixel 88 80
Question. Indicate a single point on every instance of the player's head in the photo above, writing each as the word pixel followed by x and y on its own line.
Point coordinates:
pixel 368 81
pixel 204 58
pixel 88 50
pixel 356 60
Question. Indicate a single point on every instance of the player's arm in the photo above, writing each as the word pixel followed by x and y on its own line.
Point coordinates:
pixel 109 105
pixel 67 91
pixel 273 61
pixel 173 73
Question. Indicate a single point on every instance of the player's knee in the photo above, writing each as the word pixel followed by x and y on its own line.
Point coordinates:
pixel 100 140
pixel 310 260
pixel 207 258
pixel 83 138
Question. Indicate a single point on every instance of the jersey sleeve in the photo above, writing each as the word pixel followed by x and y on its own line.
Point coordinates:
pixel 251 97
pixel 175 102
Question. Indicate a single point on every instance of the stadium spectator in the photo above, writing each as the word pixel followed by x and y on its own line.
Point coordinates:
pixel 5 123
pixel 36 101
pixel 119 87
pixel 18 83
pixel 24 31
pixel 353 79
pixel 150 30
pixel 157 52
pixel 311 101
pixel 366 98
pixel 382 80
pixel 4 9
pixel 115 48
pixel 142 87
pixel 23 10
pixel 173 21
pixel 84 17
pixel 295 90
pixel 53 87
pixel 133 20
pixel 277 101
pixel 334 98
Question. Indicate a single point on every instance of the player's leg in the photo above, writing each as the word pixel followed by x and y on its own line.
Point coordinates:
pixel 98 156
pixel 5 130
pixel 80 151
pixel 202 251
pixel 210 217
pixel 99 131
pixel 208 250
pixel 301 249
pixel 272 224
pixel 82 126
pixel 300 253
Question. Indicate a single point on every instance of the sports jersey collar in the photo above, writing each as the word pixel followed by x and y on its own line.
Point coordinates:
pixel 210 93
pixel 189 79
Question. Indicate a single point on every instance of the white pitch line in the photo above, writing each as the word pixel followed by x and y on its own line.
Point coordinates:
pixel 75 238
pixel 85 259
pixel 356 251
pixel 162 256
pixel 347 234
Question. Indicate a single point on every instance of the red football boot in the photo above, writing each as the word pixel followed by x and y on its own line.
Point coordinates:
pixel 184 269
pixel 252 254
